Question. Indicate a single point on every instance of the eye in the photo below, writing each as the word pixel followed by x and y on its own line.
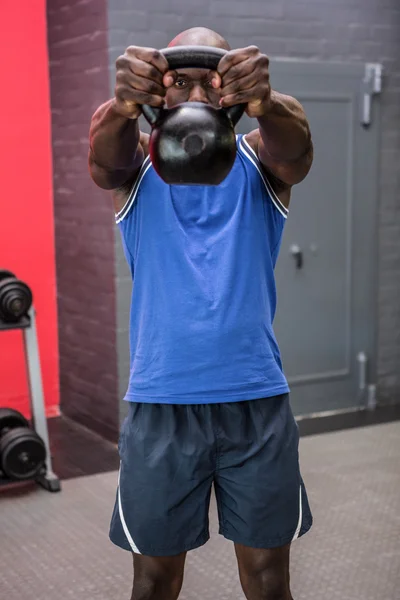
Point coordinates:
pixel 180 83
pixel 209 83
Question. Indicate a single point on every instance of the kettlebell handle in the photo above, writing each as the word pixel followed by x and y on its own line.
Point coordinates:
pixel 193 57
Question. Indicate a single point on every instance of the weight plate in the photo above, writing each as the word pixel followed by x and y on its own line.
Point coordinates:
pixel 22 454
pixel 10 419
pixel 6 274
pixel 15 299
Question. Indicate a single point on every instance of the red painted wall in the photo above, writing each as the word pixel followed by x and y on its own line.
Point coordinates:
pixel 26 199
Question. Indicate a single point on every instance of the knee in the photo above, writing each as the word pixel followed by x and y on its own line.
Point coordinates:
pixel 151 587
pixel 264 585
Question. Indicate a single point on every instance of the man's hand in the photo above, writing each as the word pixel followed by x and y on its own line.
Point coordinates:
pixel 244 79
pixel 140 80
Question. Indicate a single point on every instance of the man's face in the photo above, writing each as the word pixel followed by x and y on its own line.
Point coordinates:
pixel 193 85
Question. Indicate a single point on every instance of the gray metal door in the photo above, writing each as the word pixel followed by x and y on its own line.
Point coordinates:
pixel 326 317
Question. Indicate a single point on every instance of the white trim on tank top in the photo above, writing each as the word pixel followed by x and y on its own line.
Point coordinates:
pixel 253 158
pixel 247 151
pixel 133 193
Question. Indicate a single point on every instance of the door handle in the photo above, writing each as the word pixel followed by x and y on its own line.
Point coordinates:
pixel 297 254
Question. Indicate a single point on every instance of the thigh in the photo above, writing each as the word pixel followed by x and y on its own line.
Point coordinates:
pixel 261 496
pixel 165 480
pixel 264 574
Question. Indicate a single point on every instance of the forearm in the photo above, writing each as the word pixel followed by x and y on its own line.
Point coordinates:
pixel 114 141
pixel 284 129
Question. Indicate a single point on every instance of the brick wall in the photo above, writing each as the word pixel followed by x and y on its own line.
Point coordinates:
pixel 78 49
pixel 357 30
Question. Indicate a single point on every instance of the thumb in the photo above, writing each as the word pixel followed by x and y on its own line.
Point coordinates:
pixel 216 80
pixel 169 78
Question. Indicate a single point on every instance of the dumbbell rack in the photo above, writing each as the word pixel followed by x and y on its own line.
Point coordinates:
pixel 27 324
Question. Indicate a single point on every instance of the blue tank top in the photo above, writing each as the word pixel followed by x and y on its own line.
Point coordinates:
pixel 202 260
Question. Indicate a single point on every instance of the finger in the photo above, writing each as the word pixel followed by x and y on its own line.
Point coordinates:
pixel 144 69
pixel 234 57
pixel 253 94
pixel 259 63
pixel 140 83
pixel 243 83
pixel 170 78
pixel 138 67
pixel 151 56
pixel 128 97
pixel 240 70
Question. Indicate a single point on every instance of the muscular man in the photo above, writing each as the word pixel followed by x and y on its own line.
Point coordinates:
pixel 208 398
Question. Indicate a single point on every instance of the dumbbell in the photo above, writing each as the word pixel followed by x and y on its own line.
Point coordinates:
pixel 22 450
pixel 15 297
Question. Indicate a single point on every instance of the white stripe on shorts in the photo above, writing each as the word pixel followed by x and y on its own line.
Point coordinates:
pixel 121 516
pixel 296 533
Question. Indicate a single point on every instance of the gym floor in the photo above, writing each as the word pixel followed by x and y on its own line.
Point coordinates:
pixel 55 546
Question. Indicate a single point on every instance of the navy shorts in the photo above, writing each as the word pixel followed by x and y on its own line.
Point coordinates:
pixel 171 455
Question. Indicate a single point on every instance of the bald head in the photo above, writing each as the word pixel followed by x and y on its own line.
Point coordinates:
pixel 200 36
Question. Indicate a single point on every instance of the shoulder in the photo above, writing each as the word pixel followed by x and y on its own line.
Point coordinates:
pixel 120 195
pixel 253 139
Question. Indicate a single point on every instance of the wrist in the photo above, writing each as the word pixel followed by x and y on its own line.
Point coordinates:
pixel 260 108
pixel 269 104
pixel 126 109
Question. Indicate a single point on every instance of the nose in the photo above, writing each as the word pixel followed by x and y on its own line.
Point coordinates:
pixel 198 94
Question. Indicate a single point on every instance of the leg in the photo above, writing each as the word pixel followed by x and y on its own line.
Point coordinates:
pixel 163 494
pixel 261 498
pixel 157 578
pixel 264 574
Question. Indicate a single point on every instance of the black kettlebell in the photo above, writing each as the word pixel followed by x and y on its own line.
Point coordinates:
pixel 193 143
